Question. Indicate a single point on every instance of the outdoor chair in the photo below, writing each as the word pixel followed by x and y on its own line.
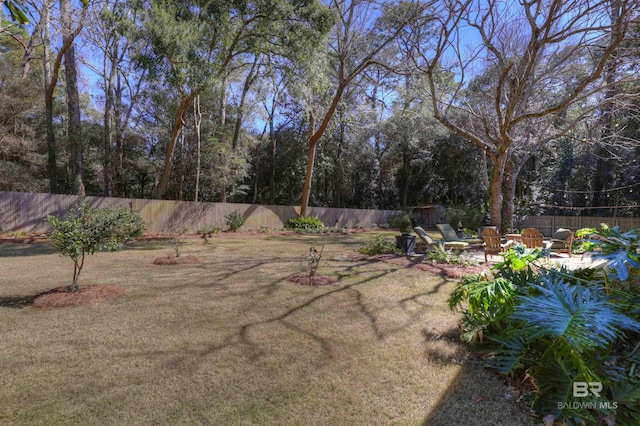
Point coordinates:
pixel 531 238
pixel 561 241
pixel 482 228
pixel 449 235
pixel 426 242
pixel 492 243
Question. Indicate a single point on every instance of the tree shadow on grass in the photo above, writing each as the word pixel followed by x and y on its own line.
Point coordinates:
pixel 17 302
pixel 15 249
pixel 477 397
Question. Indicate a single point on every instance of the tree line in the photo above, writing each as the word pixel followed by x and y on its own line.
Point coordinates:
pixel 498 108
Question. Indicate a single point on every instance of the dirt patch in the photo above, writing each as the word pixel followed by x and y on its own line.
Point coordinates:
pixel 182 260
pixel 444 269
pixel 315 281
pixel 63 297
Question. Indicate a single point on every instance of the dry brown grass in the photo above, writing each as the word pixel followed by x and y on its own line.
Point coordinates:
pixel 232 341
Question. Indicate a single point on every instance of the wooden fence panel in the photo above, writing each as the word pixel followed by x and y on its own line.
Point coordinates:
pixel 27 212
pixel 548 224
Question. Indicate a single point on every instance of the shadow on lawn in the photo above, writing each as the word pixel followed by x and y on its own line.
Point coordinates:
pixel 258 295
pixel 18 249
pixel 477 397
pixel 17 302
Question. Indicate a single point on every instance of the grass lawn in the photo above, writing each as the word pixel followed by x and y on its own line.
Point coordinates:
pixel 231 341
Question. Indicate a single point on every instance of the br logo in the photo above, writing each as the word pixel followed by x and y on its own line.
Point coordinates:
pixel 584 389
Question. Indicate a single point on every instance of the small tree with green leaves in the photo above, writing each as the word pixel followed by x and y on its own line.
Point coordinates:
pixel 85 230
pixel 234 220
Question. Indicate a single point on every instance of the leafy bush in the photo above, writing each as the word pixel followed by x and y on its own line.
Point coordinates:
pixel 489 301
pixel 234 220
pixel 440 255
pixel 468 217
pixel 378 245
pixel 469 233
pixel 560 327
pixel 208 230
pixel 402 222
pixel 85 230
pixel 304 223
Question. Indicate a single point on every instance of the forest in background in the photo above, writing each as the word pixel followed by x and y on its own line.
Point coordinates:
pixel 498 109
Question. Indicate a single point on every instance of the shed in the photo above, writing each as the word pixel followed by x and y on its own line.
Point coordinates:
pixel 429 214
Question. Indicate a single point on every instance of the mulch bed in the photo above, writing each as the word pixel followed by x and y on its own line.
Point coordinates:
pixel 63 297
pixel 30 239
pixel 182 260
pixel 315 281
pixel 444 269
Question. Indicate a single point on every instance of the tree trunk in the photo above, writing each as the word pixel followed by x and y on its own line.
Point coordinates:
pixel 495 189
pixel 223 101
pixel 120 126
pixel 306 188
pixel 272 171
pixel 49 87
pixel 161 189
pixel 314 138
pixel 182 165
pixel 513 167
pixel 108 124
pixel 52 167
pixel 603 173
pixel 251 78
pixel 256 164
pixel 197 117
pixel 406 160
pixel 76 149
pixel 338 178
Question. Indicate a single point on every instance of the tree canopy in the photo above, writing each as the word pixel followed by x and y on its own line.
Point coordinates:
pixel 492 108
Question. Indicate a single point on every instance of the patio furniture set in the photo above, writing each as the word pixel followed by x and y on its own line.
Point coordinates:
pixel 493 243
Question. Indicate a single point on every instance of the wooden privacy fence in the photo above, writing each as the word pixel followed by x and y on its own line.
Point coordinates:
pixel 26 212
pixel 548 224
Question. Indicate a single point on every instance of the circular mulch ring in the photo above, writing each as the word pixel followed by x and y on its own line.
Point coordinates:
pixel 182 260
pixel 315 281
pixel 63 297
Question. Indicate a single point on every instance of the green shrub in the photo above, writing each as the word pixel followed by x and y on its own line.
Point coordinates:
pixel 378 245
pixel 468 217
pixel 85 230
pixel 489 301
pixel 304 223
pixel 559 327
pixel 469 233
pixel 208 230
pixel 440 255
pixel 234 220
pixel 402 222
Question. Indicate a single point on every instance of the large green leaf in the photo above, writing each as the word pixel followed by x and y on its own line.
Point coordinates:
pixel 620 261
pixel 584 317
